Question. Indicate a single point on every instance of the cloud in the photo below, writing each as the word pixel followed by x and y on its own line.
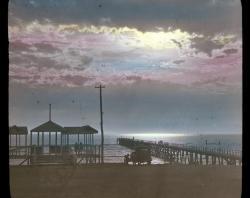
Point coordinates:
pixel 204 16
pixel 178 61
pixel 205 45
pixel 83 55
pixel 230 51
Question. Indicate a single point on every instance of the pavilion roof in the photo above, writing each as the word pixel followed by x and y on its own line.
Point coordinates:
pixel 18 130
pixel 80 130
pixel 49 126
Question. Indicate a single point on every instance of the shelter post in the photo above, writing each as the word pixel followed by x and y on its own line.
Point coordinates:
pixel 38 138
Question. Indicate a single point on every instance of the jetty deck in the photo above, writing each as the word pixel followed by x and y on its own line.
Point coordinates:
pixel 183 154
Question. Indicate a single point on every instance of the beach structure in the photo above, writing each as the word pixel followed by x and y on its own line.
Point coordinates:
pixel 85 134
pixel 62 145
pixel 182 154
pixel 59 149
pixel 50 128
pixel 17 133
pixel 18 141
pixel 84 148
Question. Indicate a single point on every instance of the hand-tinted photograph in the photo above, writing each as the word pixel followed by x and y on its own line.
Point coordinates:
pixel 125 98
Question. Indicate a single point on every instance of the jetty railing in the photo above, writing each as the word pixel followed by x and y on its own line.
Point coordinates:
pixel 68 154
pixel 186 154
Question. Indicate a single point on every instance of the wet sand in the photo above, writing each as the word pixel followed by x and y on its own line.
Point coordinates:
pixel 120 181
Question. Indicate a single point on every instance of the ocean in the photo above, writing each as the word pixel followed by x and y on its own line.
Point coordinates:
pixel 114 153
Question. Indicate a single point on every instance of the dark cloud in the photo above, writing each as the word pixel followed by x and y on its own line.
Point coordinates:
pixel 18 77
pixel 19 46
pixel 134 78
pixel 75 79
pixel 178 61
pixel 86 60
pixel 46 47
pixel 177 43
pixel 205 45
pixel 192 15
pixel 230 51
pixel 222 56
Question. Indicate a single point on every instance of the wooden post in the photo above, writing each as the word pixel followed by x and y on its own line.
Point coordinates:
pixel 30 138
pixel 95 154
pixel 42 139
pixel 99 154
pixel 61 142
pixel 25 140
pixel 16 140
pixel 10 139
pixel 49 139
pixel 26 148
pixel 56 140
pixel 78 138
pixel 38 139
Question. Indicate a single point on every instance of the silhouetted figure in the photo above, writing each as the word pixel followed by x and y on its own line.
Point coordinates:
pixel 76 148
pixel 81 147
pixel 126 159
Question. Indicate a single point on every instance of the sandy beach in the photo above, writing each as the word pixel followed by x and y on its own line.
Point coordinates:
pixel 120 181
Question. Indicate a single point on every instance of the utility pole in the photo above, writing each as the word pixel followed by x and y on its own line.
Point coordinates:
pixel 100 87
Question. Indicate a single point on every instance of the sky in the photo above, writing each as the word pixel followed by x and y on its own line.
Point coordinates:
pixel 168 66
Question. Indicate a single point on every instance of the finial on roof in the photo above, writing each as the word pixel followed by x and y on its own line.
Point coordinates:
pixel 49 112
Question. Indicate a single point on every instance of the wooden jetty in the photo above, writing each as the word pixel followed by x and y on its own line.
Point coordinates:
pixel 176 153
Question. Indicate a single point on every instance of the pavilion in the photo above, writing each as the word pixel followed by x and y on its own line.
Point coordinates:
pixel 18 132
pixel 86 132
pixel 51 128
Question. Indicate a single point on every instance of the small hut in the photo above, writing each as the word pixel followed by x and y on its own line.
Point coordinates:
pixel 18 132
pixel 50 128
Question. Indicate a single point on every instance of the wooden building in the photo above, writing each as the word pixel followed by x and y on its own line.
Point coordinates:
pixel 18 132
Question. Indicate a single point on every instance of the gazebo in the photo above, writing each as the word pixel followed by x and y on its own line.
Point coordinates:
pixel 51 128
pixel 86 132
pixel 18 132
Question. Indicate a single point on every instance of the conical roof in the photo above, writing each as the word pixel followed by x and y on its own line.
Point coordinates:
pixel 49 126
